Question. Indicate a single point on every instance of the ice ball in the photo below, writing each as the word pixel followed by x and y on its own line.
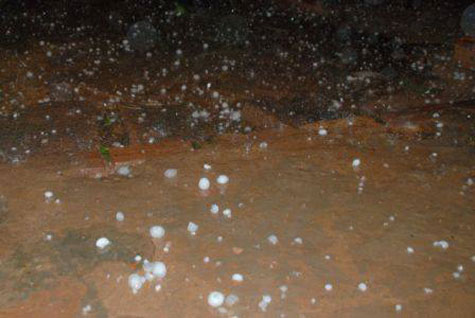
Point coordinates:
pixel 157 231
pixel 215 299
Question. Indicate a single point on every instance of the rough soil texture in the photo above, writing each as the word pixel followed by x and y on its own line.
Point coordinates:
pixel 284 114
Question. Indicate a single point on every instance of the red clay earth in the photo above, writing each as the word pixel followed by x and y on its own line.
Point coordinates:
pixel 301 186
pixel 352 240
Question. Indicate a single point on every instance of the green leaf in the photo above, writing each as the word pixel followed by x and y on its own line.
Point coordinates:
pixel 105 153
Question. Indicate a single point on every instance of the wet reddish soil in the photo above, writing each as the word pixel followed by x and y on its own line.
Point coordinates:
pixel 301 186
pixel 286 118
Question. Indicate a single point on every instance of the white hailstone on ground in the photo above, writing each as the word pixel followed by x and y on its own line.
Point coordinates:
pixel 214 209
pixel 102 243
pixel 222 179
pixel 473 258
pixel 442 244
pixel 206 259
pixel 410 250
pixel 356 163
pixel 207 166
pixel 238 277
pixel 428 290
pixel 136 282
pixel 124 171
pixel 263 145
pixel 157 231
pixel 398 307
pixel 119 216
pixel 227 213
pixel 192 228
pixel 266 300
pixel 272 239
pixel 138 258
pixel 49 195
pixel 456 275
pixel 328 287
pixel 460 268
pixel 298 240
pixel 231 300
pixel 170 173
pixel 322 131
pixel 204 184
pixel 215 299
pixel 362 287
pixel 156 269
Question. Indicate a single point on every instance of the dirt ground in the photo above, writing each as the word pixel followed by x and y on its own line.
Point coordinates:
pixel 349 148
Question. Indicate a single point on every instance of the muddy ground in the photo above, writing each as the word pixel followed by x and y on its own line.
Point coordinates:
pixel 349 148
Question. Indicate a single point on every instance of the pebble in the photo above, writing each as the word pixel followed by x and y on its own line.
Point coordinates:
pixel 215 299
pixel 204 184
pixel 170 173
pixel 157 231
pixel 222 179
pixel 102 243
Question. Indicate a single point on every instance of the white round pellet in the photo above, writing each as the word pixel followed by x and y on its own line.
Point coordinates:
pixel 222 179
pixel 362 287
pixel 398 307
pixel 207 166
pixel 272 239
pixel 322 132
pixel 227 213
pixel 119 216
pixel 49 195
pixel 204 184
pixel 214 209
pixel 410 250
pixel 298 240
pixel 428 290
pixel 237 278
pixel 102 243
pixel 135 282
pixel 460 268
pixel 328 287
pixel 159 270
pixel 215 299
pixel 442 244
pixel 356 163
pixel 124 171
pixel 170 173
pixel 192 228
pixel 137 258
pixel 157 231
